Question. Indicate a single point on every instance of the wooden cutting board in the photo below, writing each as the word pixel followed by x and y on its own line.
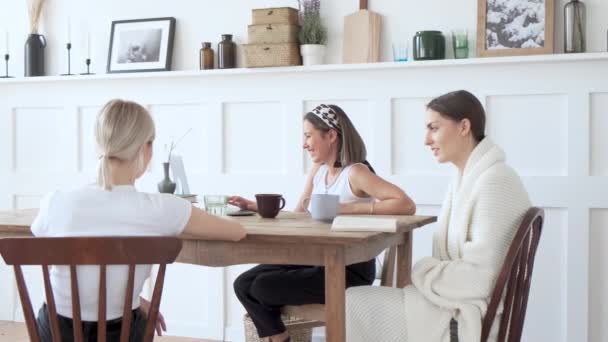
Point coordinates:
pixel 362 36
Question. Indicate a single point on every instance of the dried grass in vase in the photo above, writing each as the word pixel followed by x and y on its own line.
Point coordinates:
pixel 34 8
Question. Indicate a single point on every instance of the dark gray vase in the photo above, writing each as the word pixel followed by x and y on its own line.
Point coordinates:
pixel 166 185
pixel 34 55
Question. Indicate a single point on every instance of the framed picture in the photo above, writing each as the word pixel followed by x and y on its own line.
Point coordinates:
pixel 514 27
pixel 141 45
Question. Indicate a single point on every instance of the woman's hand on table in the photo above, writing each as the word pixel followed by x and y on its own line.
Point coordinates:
pixel 242 203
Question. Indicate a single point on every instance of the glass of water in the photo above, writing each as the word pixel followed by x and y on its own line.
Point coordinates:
pixel 216 204
pixel 400 51
pixel 460 43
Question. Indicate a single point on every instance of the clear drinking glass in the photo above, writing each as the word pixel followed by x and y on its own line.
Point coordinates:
pixel 400 51
pixel 460 43
pixel 216 204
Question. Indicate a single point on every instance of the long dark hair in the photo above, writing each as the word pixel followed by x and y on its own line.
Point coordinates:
pixel 351 148
pixel 459 105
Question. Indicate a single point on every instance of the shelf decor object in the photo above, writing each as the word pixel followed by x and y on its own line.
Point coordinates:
pixel 313 34
pixel 141 45
pixel 574 27
pixel 272 38
pixel 512 28
pixel 35 43
pixel 362 34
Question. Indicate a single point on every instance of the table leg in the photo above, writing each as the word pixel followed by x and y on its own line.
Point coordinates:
pixel 404 261
pixel 335 288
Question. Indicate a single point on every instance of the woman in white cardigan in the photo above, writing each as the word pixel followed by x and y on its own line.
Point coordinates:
pixel 480 214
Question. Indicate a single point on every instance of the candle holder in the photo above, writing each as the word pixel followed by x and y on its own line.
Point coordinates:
pixel 69 48
pixel 6 58
pixel 88 63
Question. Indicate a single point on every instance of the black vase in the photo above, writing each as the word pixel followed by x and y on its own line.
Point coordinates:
pixel 34 55
pixel 166 185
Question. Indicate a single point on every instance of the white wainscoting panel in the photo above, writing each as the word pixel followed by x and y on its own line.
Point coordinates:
pixel 534 123
pixel 410 155
pixel 254 138
pixel 599 134
pixel 190 122
pixel 45 139
pixel 246 138
pixel 598 275
pixel 22 201
pixel 193 301
pixel 548 286
pixel 88 155
pixel 235 311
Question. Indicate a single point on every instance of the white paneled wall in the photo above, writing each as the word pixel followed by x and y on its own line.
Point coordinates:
pixel 598 264
pixel 599 138
pixel 530 116
pixel 246 137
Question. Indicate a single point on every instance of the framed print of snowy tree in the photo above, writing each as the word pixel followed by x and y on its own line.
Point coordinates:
pixel 514 27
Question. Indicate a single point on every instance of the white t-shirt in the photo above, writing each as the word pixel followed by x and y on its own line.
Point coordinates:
pixel 92 211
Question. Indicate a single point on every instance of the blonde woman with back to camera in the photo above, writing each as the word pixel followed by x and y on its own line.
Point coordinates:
pixel 479 217
pixel 124 134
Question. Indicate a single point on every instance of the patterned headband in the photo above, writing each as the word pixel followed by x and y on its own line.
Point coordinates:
pixel 328 115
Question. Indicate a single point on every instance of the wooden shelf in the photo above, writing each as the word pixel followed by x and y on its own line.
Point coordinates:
pixel 554 58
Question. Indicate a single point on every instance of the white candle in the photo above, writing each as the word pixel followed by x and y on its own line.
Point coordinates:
pixel 69 32
pixel 6 41
pixel 89 45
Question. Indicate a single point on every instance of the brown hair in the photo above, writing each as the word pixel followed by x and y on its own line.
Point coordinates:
pixel 459 105
pixel 351 148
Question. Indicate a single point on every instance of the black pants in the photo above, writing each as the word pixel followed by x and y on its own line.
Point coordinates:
pixel 138 326
pixel 264 289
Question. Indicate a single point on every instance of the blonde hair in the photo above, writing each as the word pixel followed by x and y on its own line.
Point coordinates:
pixel 121 131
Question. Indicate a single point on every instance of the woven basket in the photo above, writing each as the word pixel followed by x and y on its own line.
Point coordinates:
pixel 267 55
pixel 273 33
pixel 295 334
pixel 280 15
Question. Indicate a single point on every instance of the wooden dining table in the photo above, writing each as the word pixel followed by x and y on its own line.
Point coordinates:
pixel 290 238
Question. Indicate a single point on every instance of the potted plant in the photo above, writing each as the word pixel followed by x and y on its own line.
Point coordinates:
pixel 313 33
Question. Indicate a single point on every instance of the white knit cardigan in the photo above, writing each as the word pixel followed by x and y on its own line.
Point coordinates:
pixel 478 220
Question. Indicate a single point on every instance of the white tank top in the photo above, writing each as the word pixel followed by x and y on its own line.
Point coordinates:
pixel 340 186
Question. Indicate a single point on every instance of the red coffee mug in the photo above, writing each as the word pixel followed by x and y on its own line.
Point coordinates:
pixel 269 205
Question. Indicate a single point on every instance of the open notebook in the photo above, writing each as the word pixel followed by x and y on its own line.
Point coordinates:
pixel 368 223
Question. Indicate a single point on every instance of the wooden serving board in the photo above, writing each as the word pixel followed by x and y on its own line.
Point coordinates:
pixel 362 36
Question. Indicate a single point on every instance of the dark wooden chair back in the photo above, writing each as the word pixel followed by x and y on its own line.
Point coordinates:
pixel 102 251
pixel 515 276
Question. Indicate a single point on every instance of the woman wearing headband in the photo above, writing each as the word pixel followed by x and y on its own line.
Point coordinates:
pixel 340 168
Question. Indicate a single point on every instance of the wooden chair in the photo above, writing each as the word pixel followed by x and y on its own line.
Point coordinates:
pixel 100 251
pixel 313 315
pixel 515 276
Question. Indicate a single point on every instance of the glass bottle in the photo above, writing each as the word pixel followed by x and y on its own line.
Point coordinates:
pixel 226 53
pixel 206 56
pixel 574 26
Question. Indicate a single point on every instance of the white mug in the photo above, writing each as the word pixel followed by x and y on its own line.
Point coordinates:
pixel 323 207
